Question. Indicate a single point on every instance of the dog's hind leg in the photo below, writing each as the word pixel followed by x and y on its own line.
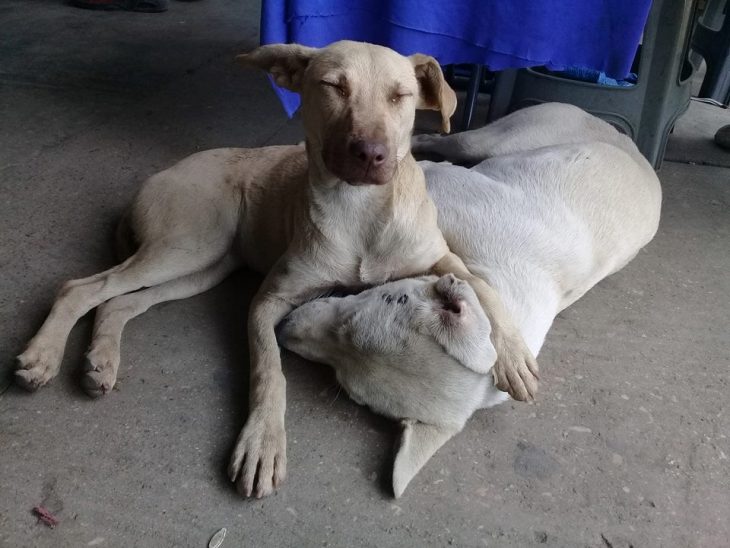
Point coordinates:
pixel 102 360
pixel 474 146
pixel 154 263
pixel 458 148
pixel 523 130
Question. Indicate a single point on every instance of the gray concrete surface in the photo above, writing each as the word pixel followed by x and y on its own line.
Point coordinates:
pixel 627 444
pixel 693 138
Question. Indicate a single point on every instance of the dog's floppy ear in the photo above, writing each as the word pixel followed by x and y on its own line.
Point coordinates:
pixel 434 92
pixel 418 442
pixel 285 62
pixel 474 350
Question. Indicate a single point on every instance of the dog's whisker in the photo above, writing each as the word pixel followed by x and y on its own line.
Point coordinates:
pixel 337 395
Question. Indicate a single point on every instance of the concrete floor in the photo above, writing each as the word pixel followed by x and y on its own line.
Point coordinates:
pixel 627 444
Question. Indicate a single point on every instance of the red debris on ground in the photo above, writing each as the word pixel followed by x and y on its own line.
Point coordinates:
pixel 45 515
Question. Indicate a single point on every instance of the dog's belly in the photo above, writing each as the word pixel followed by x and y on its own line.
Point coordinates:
pixel 272 179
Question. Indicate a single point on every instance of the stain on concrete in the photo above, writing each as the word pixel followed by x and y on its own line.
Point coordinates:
pixel 49 495
pixel 533 462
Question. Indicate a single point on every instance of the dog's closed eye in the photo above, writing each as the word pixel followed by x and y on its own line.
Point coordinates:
pixel 398 96
pixel 337 86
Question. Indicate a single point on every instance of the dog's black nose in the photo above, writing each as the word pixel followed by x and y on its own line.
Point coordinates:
pixel 283 330
pixel 369 152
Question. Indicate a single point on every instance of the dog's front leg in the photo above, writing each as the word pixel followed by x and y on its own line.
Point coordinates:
pixel 516 368
pixel 258 463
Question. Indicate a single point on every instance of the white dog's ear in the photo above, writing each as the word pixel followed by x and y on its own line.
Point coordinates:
pixel 435 93
pixel 418 442
pixel 285 62
pixel 462 332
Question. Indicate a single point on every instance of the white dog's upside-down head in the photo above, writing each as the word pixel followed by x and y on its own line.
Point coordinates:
pixel 414 350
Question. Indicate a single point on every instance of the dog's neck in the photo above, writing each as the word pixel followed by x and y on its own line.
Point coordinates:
pixel 364 204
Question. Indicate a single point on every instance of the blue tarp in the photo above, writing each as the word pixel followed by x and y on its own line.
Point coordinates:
pixel 601 35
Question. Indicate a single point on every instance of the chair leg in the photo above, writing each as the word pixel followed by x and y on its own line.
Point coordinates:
pixel 472 94
pixel 501 97
pixel 714 46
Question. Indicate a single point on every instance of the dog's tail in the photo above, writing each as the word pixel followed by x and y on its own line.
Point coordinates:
pixel 126 243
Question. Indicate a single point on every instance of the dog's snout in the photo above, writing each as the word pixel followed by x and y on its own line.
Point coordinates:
pixel 283 330
pixel 361 158
pixel 282 327
pixel 369 152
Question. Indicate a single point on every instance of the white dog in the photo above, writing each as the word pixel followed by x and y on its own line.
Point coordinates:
pixel 558 201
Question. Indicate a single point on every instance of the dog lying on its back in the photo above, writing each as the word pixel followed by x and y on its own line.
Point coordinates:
pixel 352 209
pixel 558 201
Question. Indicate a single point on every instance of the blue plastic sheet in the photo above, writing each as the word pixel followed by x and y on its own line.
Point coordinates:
pixel 600 35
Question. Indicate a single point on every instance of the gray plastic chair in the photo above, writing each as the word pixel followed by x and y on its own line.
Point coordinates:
pixel 712 41
pixel 646 111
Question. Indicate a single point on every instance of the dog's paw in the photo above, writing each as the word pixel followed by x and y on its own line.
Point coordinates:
pixel 516 371
pixel 421 144
pixel 37 366
pixel 258 463
pixel 101 372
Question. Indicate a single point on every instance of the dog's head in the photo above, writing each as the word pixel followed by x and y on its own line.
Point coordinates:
pixel 358 102
pixel 417 350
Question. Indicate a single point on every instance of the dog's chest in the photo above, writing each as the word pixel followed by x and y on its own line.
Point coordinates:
pixel 374 270
pixel 371 243
pixel 395 253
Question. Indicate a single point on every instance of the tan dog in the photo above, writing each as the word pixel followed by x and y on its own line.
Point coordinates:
pixel 350 210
